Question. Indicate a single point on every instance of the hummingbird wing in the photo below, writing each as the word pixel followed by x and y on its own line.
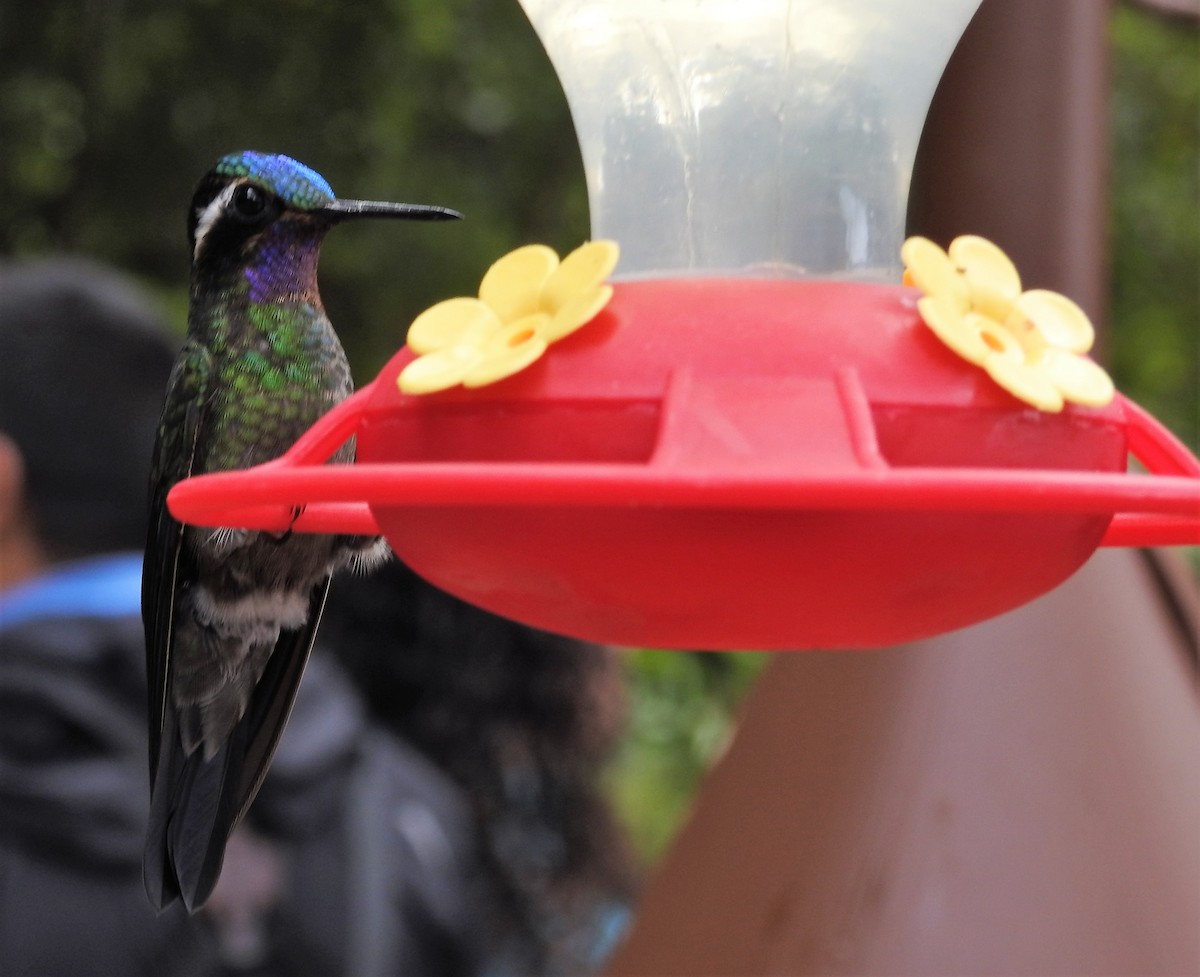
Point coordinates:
pixel 179 430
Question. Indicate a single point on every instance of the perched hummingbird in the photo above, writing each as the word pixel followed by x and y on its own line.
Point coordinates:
pixel 230 615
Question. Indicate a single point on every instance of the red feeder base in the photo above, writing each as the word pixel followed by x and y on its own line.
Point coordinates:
pixel 738 463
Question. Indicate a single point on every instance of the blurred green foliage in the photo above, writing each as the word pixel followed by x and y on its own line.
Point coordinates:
pixel 1154 345
pixel 109 113
pixel 682 709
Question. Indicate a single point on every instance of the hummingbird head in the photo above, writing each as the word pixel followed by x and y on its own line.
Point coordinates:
pixel 250 196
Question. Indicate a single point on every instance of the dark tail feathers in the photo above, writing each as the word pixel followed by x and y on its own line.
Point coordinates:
pixel 193 808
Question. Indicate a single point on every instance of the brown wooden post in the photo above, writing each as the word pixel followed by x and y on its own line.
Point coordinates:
pixel 1021 797
pixel 1016 145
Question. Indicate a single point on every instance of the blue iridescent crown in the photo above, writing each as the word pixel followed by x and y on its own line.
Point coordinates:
pixel 296 184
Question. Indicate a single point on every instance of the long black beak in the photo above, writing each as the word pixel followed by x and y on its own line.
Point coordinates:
pixel 341 210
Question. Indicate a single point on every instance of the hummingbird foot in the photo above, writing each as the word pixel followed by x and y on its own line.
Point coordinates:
pixel 297 512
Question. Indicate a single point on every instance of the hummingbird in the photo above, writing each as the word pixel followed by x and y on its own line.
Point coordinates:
pixel 230 615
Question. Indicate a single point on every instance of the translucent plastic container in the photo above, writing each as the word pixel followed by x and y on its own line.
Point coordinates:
pixel 764 137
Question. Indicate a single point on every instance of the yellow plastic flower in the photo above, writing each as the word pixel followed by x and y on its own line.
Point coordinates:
pixel 1031 343
pixel 527 300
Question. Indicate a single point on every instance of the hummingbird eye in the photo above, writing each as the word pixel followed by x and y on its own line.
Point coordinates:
pixel 249 202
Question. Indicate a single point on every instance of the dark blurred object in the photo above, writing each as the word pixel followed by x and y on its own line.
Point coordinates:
pixel 83 366
pixel 83 363
pixel 359 857
pixel 522 721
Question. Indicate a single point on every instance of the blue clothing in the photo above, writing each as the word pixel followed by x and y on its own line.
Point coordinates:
pixel 73 779
pixel 73 782
pixel 104 586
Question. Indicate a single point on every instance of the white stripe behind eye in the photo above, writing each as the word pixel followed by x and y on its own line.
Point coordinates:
pixel 208 216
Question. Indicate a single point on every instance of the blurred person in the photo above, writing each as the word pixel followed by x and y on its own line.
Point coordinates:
pixel 83 362
pixel 523 722
pixel 358 857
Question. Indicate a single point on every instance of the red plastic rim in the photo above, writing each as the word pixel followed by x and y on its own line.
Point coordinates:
pixel 1161 507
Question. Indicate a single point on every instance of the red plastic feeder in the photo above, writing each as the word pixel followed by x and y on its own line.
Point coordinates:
pixel 811 469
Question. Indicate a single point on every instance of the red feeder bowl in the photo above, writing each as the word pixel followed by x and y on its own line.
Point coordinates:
pixel 738 463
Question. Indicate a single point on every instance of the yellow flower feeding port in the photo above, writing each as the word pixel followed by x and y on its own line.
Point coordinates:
pixel 1031 343
pixel 527 300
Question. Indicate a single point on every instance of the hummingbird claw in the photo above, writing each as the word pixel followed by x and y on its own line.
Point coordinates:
pixel 283 537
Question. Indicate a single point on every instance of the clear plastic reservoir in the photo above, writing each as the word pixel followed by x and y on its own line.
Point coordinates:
pixel 759 137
